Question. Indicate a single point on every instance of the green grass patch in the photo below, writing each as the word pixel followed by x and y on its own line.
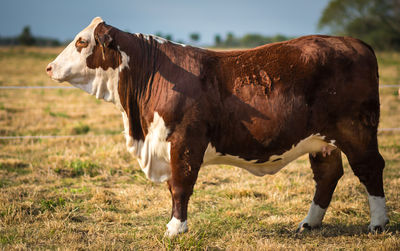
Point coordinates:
pixel 78 168
pixel 44 131
pixel 80 190
pixel 112 132
pixel 391 163
pixel 269 209
pixel 55 114
pixel 388 59
pixel 59 114
pixel 7 238
pixel 80 129
pixel 4 183
pixel 394 147
pixel 136 177
pixel 51 205
pixel 12 110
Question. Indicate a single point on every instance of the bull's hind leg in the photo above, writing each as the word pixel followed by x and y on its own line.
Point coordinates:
pixel 327 171
pixel 368 164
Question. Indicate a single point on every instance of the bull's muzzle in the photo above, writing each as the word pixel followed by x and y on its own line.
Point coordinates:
pixel 49 69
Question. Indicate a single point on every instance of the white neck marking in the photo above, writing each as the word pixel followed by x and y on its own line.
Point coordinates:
pixel 153 154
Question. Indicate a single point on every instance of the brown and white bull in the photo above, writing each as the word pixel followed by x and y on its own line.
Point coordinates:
pixel 259 109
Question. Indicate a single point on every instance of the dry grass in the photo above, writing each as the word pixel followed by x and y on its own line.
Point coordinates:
pixel 389 70
pixel 89 193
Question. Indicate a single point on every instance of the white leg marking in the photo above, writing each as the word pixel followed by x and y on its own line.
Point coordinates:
pixel 377 206
pixel 175 227
pixel 314 217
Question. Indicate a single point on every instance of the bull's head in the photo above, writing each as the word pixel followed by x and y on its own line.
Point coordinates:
pixel 91 62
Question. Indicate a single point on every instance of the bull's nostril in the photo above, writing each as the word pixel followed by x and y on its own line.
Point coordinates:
pixel 49 69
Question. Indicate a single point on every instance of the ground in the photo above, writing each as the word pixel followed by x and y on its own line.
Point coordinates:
pixel 87 192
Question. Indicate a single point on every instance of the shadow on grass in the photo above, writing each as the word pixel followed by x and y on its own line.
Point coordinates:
pixel 16 166
pixel 327 231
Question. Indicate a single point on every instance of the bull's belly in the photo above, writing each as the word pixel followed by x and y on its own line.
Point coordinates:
pixel 153 154
pixel 311 144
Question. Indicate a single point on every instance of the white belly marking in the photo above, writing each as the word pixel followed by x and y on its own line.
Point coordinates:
pixel 312 144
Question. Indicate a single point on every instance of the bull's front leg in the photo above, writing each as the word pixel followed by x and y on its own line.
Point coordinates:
pixel 180 198
pixel 185 165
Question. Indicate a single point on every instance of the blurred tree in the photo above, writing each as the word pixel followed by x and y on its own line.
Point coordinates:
pixel 279 38
pixel 248 40
pixel 231 40
pixel 217 40
pixel 377 22
pixel 194 37
pixel 41 41
pixel 253 40
pixel 8 41
pixel 26 38
pixel 168 37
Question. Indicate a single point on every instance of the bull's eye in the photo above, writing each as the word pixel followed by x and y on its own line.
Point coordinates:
pixel 81 43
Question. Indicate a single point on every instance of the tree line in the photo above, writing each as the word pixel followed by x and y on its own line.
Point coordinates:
pixel 27 39
pixel 231 41
pixel 247 41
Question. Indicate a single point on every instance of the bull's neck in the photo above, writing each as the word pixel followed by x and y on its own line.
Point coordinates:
pixel 135 81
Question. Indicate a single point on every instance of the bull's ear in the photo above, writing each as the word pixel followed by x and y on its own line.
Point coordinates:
pixel 104 40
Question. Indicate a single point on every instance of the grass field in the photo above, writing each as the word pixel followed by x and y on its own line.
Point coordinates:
pixel 87 192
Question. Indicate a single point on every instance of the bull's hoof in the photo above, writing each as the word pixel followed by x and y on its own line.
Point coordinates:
pixel 376 229
pixel 304 226
pixel 175 227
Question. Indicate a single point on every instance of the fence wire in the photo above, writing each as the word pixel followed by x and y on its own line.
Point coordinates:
pixel 37 87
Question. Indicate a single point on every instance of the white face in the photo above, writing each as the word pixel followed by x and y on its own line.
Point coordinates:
pixel 70 65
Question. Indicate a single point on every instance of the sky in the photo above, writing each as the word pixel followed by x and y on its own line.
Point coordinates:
pixel 64 19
